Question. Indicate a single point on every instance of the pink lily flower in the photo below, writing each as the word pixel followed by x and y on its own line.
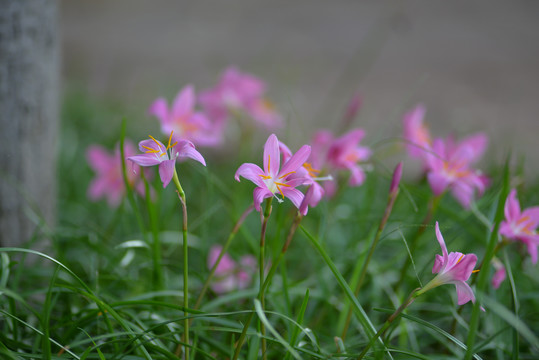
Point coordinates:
pixel 449 167
pixel 109 181
pixel 184 120
pixel 521 226
pixel 273 179
pixel 155 153
pixel 499 275
pixel 229 275
pixel 453 268
pixel 238 91
pixel 416 133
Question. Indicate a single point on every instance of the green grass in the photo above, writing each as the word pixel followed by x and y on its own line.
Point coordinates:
pixel 109 285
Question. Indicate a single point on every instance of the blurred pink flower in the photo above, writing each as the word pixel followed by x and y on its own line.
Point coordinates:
pixel 521 226
pixel 449 167
pixel 229 275
pixel 343 153
pixel 184 120
pixel 499 275
pixel 238 91
pixel 416 133
pixel 273 179
pixel 109 181
pixel 155 153
pixel 453 268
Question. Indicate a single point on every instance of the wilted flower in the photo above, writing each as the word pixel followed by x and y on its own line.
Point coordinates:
pixel 274 180
pixel 521 226
pixel 229 275
pixel 184 121
pixel 453 268
pixel 155 153
pixel 109 181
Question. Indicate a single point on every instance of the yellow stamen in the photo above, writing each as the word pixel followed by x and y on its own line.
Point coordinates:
pixel 170 139
pixel 285 175
pixel 269 162
pixel 278 188
pixel 312 171
pixel 157 142
pixel 265 177
pixel 150 150
pixel 460 258
pixel 523 219
pixel 475 271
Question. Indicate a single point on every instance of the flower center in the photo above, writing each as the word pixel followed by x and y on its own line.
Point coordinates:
pixel 161 150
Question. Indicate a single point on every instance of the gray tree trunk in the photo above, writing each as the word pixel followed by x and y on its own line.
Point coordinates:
pixel 29 111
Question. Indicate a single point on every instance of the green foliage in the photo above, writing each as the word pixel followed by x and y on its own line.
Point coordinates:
pixel 99 292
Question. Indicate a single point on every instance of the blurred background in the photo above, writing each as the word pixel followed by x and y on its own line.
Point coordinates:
pixel 475 65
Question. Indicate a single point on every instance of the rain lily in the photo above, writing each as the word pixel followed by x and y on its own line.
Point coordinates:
pixel 155 153
pixel 229 275
pixel 184 120
pixel 109 181
pixel 416 133
pixel 453 268
pixel 449 167
pixel 238 91
pixel 273 179
pixel 499 275
pixel 521 226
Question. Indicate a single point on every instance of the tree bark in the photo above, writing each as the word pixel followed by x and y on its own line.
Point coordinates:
pixel 29 111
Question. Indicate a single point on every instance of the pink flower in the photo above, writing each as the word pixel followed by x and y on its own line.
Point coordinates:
pixel 453 268
pixel 109 181
pixel 499 275
pixel 229 275
pixel 155 153
pixel 521 226
pixel 237 91
pixel 449 167
pixel 416 133
pixel 273 179
pixel 184 121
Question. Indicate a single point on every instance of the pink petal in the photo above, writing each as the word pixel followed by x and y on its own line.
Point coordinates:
pixel 441 242
pixel 463 269
pixel 464 293
pixel 512 207
pixel 499 277
pixel 186 148
pixel 98 158
pixel 97 188
pixel 159 109
pixel 438 182
pixel 145 159
pixel 475 146
pixel 285 151
pixel 296 161
pixel 154 145
pixel 184 102
pixel 166 171
pixel 532 250
pixel 357 176
pixel 251 172
pixel 272 155
pixel 533 215
pixel 438 264
pixel 259 194
pixel 294 195
pixel 463 193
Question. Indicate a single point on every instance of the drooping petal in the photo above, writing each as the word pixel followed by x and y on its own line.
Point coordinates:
pixel 296 161
pixel 186 148
pixel 166 171
pixel 438 264
pixel 442 243
pixel 357 175
pixel 251 172
pixel 145 159
pixel 464 293
pixel 184 102
pixel 272 156
pixel 438 182
pixel 259 194
pixel 294 195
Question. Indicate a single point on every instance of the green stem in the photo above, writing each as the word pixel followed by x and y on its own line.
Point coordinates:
pixel 390 202
pixel 409 300
pixel 181 195
pixel 484 273
pixel 267 282
pixel 267 214
pixel 156 244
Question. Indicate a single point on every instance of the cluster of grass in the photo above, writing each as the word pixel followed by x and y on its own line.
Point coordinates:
pixel 95 293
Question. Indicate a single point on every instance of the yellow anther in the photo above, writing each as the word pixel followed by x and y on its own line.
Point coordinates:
pixel 170 139
pixel 269 162
pixel 150 150
pixel 475 271
pixel 265 177
pixel 157 142
pixel 460 258
pixel 285 175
